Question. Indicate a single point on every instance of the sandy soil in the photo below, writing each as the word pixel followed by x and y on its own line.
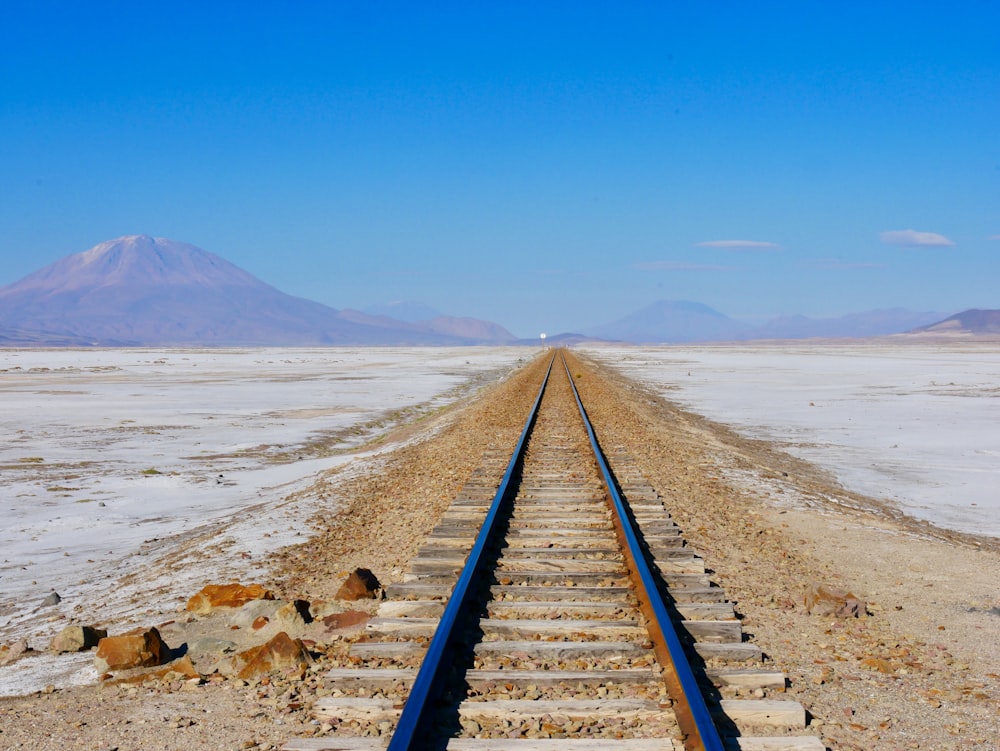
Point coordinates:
pixel 921 671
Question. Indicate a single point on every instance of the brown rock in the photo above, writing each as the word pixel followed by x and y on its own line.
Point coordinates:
pixel 135 649
pixel 233 595
pixel 319 609
pixel 293 615
pixel 180 669
pixel 245 616
pixel 824 600
pixel 346 619
pixel 9 653
pixel 259 622
pixel 77 638
pixel 877 663
pixel 280 653
pixel 361 584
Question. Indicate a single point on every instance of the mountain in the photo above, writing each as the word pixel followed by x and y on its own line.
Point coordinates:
pixel 853 325
pixel 35 338
pixel 672 321
pixel 973 321
pixel 403 310
pixel 668 321
pixel 469 328
pixel 425 318
pixel 140 290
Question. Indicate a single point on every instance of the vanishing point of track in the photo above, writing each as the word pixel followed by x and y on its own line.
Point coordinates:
pixel 557 607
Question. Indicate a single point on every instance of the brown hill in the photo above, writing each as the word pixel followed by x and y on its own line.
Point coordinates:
pixel 973 321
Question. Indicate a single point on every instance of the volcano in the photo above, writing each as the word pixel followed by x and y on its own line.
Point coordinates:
pixel 150 291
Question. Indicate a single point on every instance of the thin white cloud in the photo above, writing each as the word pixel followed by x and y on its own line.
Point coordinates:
pixel 679 266
pixel 994 237
pixel 738 245
pixel 836 263
pixel 910 238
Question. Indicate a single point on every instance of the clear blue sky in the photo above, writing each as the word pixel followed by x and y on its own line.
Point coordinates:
pixel 545 167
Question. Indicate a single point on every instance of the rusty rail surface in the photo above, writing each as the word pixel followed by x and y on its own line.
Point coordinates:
pixel 700 733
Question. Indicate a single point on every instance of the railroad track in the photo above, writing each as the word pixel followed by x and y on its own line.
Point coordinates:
pixel 559 609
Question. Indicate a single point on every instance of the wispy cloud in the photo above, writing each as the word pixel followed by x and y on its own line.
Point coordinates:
pixel 994 237
pixel 837 264
pixel 680 266
pixel 910 238
pixel 738 245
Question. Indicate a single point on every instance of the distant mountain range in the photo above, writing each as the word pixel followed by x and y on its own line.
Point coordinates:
pixel 853 325
pixel 672 321
pixel 140 290
pixel 145 291
pixel 669 321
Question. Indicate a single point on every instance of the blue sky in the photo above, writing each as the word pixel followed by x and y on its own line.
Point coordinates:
pixel 546 167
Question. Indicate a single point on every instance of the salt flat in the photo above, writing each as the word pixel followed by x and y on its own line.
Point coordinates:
pixel 130 478
pixel 112 458
pixel 914 425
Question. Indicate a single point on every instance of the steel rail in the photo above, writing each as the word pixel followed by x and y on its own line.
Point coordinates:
pixel 700 733
pixel 417 712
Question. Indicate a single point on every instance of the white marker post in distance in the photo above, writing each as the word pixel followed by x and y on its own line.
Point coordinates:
pixel 542 337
